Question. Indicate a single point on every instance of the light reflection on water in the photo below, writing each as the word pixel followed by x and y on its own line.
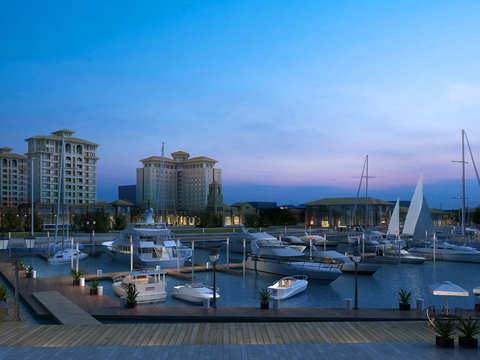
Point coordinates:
pixel 377 291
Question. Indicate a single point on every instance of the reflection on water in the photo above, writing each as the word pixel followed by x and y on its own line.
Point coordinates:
pixel 377 291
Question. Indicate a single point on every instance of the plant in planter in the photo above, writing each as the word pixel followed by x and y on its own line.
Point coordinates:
pixel 13 259
pixel 131 297
pixel 3 293
pixel 94 283
pixel 21 264
pixel 76 277
pixel 28 271
pixel 265 296
pixel 468 329
pixel 444 329
pixel 405 299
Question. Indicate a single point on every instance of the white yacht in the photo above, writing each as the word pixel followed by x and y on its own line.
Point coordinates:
pixel 391 253
pixel 369 242
pixel 194 292
pixel 65 256
pixel 319 240
pixel 150 284
pixel 249 234
pixel 449 252
pixel 343 262
pixel 288 286
pixel 153 245
pixel 270 256
pixel 294 242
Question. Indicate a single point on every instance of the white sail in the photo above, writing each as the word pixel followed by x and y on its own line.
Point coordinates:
pixel 394 226
pixel 418 218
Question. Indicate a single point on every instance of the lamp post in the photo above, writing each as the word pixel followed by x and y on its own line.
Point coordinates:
pixel 356 259
pixel 91 234
pixel 214 256
pixel 4 240
pixel 30 241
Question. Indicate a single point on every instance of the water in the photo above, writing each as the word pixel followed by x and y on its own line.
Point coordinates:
pixel 377 291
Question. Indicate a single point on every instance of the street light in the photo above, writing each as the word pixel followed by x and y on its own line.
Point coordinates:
pixel 91 234
pixel 356 259
pixel 30 241
pixel 214 256
pixel 4 240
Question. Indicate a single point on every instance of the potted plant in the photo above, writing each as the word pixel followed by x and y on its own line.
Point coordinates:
pixel 94 283
pixel 265 296
pixel 444 329
pixel 13 259
pixel 3 293
pixel 28 271
pixel 468 329
pixel 21 264
pixel 131 298
pixel 405 299
pixel 76 275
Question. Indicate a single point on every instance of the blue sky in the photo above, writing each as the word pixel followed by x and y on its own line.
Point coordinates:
pixel 288 96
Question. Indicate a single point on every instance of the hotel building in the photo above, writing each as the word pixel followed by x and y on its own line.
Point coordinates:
pixel 80 168
pixel 14 170
pixel 186 184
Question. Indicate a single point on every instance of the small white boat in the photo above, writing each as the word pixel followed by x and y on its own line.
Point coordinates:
pixel 288 286
pixel 194 292
pixel 150 284
pixel 65 256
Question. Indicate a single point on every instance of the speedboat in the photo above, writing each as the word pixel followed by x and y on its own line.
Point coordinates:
pixel 288 286
pixel 150 284
pixel 368 242
pixel 392 254
pixel 153 245
pixel 343 262
pixel 270 256
pixel 236 242
pixel 194 292
pixel 449 252
pixel 65 256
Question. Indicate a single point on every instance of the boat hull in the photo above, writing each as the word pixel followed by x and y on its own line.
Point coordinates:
pixel 315 271
pixel 288 294
pixel 142 298
pixel 191 297
pixel 448 256
pixel 137 260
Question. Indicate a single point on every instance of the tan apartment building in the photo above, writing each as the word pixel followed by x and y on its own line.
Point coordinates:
pixel 80 167
pixel 186 183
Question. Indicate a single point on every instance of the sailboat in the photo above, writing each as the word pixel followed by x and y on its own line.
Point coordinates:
pixel 446 251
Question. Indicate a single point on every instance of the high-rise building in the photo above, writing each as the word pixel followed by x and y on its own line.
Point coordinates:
pixel 186 184
pixel 80 167
pixel 14 170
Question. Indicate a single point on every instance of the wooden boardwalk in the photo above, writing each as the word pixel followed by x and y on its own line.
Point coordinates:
pixel 24 334
pixel 62 309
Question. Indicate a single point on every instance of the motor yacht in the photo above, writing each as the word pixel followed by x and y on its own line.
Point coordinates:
pixel 270 256
pixel 236 241
pixel 448 252
pixel 194 292
pixel 391 253
pixel 288 286
pixel 293 242
pixel 65 256
pixel 319 240
pixel 150 284
pixel 343 262
pixel 153 245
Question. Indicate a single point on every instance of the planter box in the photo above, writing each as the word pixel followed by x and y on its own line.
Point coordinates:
pixel 28 275
pixel 76 282
pixel 264 305
pixel 93 291
pixel 445 343
pixel 403 306
pixel 468 343
pixel 21 268
pixel 131 305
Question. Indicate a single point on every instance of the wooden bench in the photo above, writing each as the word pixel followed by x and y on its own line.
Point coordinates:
pixel 4 307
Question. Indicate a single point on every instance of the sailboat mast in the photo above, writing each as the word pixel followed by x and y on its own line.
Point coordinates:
pixel 366 196
pixel 463 185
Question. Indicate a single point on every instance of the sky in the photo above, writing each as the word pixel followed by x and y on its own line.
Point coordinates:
pixel 288 96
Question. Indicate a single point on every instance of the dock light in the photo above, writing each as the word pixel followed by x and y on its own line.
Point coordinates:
pixel 214 256
pixel 30 241
pixel 356 259
pixel 4 240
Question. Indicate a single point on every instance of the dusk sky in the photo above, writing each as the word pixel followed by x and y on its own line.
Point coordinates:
pixel 288 96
